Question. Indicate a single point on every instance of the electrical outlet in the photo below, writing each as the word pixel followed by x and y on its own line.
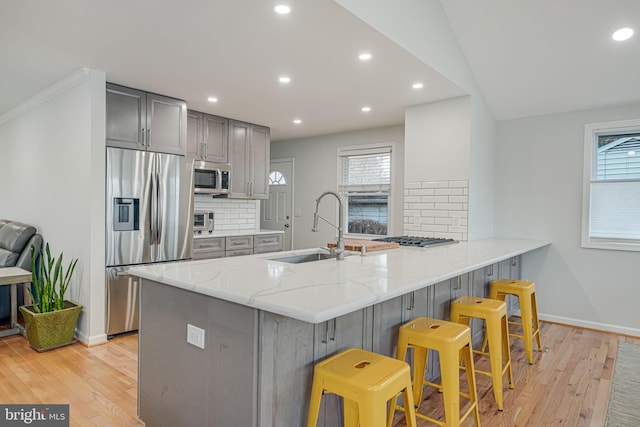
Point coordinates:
pixel 195 336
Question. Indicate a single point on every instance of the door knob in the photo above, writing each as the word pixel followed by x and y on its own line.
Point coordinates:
pixel 286 226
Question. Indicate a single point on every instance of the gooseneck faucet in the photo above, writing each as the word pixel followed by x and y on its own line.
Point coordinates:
pixel 340 227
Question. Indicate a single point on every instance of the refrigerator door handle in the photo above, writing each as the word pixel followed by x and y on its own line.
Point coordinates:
pixel 158 215
pixel 154 208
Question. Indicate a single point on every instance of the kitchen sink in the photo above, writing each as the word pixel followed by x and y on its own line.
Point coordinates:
pixel 309 257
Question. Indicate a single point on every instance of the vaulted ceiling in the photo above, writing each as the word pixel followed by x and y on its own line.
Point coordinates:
pixel 530 58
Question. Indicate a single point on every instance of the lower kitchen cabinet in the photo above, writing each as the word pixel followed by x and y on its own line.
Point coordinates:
pixel 511 269
pixel 264 243
pixel 220 247
pixel 209 247
pixel 352 330
pixel 285 367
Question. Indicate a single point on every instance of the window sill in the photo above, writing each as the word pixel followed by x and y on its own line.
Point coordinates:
pixel 611 245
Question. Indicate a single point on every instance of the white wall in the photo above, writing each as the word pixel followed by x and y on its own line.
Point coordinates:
pixel 316 171
pixel 52 160
pixel 539 195
pixel 437 140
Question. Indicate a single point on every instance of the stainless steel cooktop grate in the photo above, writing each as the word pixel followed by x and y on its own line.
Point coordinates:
pixel 417 241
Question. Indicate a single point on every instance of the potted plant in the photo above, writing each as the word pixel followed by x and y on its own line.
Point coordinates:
pixel 51 320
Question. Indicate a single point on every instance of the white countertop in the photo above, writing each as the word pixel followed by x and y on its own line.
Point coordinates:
pixel 232 233
pixel 321 290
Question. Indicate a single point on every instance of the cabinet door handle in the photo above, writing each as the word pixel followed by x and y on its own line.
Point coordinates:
pixel 326 332
pixel 142 136
pixel 148 137
pixel 412 301
pixel 332 337
pixel 514 261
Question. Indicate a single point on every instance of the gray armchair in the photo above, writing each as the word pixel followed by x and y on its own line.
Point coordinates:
pixel 16 240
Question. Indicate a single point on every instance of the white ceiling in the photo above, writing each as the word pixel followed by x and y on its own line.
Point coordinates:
pixel 234 50
pixel 536 57
pixel 529 57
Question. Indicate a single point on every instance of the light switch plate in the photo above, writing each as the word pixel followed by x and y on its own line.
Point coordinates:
pixel 195 336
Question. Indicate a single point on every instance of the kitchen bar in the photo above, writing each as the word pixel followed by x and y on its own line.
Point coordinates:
pixel 266 322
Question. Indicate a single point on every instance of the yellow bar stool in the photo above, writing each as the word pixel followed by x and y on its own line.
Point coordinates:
pixel 366 381
pixel 452 341
pixel 526 293
pixel 494 313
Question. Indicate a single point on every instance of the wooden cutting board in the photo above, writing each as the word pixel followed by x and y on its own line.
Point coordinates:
pixel 370 246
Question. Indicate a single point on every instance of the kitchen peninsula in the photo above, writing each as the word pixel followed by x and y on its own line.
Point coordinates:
pixel 265 322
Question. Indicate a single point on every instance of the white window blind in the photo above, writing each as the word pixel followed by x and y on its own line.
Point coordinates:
pixel 365 170
pixel 611 205
pixel 615 210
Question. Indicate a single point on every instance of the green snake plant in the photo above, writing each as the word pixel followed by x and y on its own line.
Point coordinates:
pixel 50 280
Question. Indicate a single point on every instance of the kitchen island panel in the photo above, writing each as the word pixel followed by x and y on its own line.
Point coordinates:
pixel 181 384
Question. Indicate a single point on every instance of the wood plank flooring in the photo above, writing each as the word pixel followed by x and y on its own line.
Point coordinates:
pixel 568 385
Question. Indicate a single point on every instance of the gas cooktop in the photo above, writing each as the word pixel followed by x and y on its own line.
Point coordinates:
pixel 417 241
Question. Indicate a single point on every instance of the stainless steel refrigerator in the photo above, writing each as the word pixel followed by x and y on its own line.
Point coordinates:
pixel 149 220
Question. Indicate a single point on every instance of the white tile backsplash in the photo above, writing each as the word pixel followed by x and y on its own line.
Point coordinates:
pixel 231 214
pixel 437 209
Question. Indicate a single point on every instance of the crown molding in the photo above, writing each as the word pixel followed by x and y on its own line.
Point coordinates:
pixel 72 80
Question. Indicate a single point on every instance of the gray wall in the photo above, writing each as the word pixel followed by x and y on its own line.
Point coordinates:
pixel 539 195
pixel 316 171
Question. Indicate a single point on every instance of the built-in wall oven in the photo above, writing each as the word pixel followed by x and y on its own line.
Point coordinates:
pixel 211 178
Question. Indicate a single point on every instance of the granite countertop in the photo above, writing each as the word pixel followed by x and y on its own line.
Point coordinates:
pixel 321 290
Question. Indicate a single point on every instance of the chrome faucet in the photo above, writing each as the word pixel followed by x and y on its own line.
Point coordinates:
pixel 340 226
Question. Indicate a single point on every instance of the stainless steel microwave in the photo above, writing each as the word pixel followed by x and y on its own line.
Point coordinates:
pixel 211 178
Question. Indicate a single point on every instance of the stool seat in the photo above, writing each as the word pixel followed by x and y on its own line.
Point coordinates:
pixel 366 381
pixel 452 341
pixel 494 313
pixel 526 293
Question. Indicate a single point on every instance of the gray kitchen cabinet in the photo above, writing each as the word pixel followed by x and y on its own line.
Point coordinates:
pixel 264 243
pixel 207 137
pixel 511 269
pixel 249 151
pixel 388 316
pixel 286 370
pixel 352 330
pixel 209 247
pixel 239 245
pixel 145 121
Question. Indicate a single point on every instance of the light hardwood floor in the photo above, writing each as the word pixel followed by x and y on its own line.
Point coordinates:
pixel 568 385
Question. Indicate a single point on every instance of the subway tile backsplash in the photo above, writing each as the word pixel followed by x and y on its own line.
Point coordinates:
pixel 437 209
pixel 231 214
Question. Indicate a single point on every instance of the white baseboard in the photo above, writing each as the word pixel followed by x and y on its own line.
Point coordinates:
pixel 590 325
pixel 92 340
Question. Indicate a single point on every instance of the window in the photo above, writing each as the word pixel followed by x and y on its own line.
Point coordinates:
pixel 365 184
pixel 611 192
pixel 276 178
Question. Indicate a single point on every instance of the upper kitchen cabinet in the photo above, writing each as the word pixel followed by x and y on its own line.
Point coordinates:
pixel 207 137
pixel 145 121
pixel 249 157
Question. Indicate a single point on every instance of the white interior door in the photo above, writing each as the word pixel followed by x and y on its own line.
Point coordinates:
pixel 277 210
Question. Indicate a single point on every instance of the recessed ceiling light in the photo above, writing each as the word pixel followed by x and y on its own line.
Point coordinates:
pixel 212 99
pixel 297 121
pixel 365 56
pixel 282 9
pixel 366 109
pixel 284 79
pixel 417 86
pixel 622 34
pixel 631 153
